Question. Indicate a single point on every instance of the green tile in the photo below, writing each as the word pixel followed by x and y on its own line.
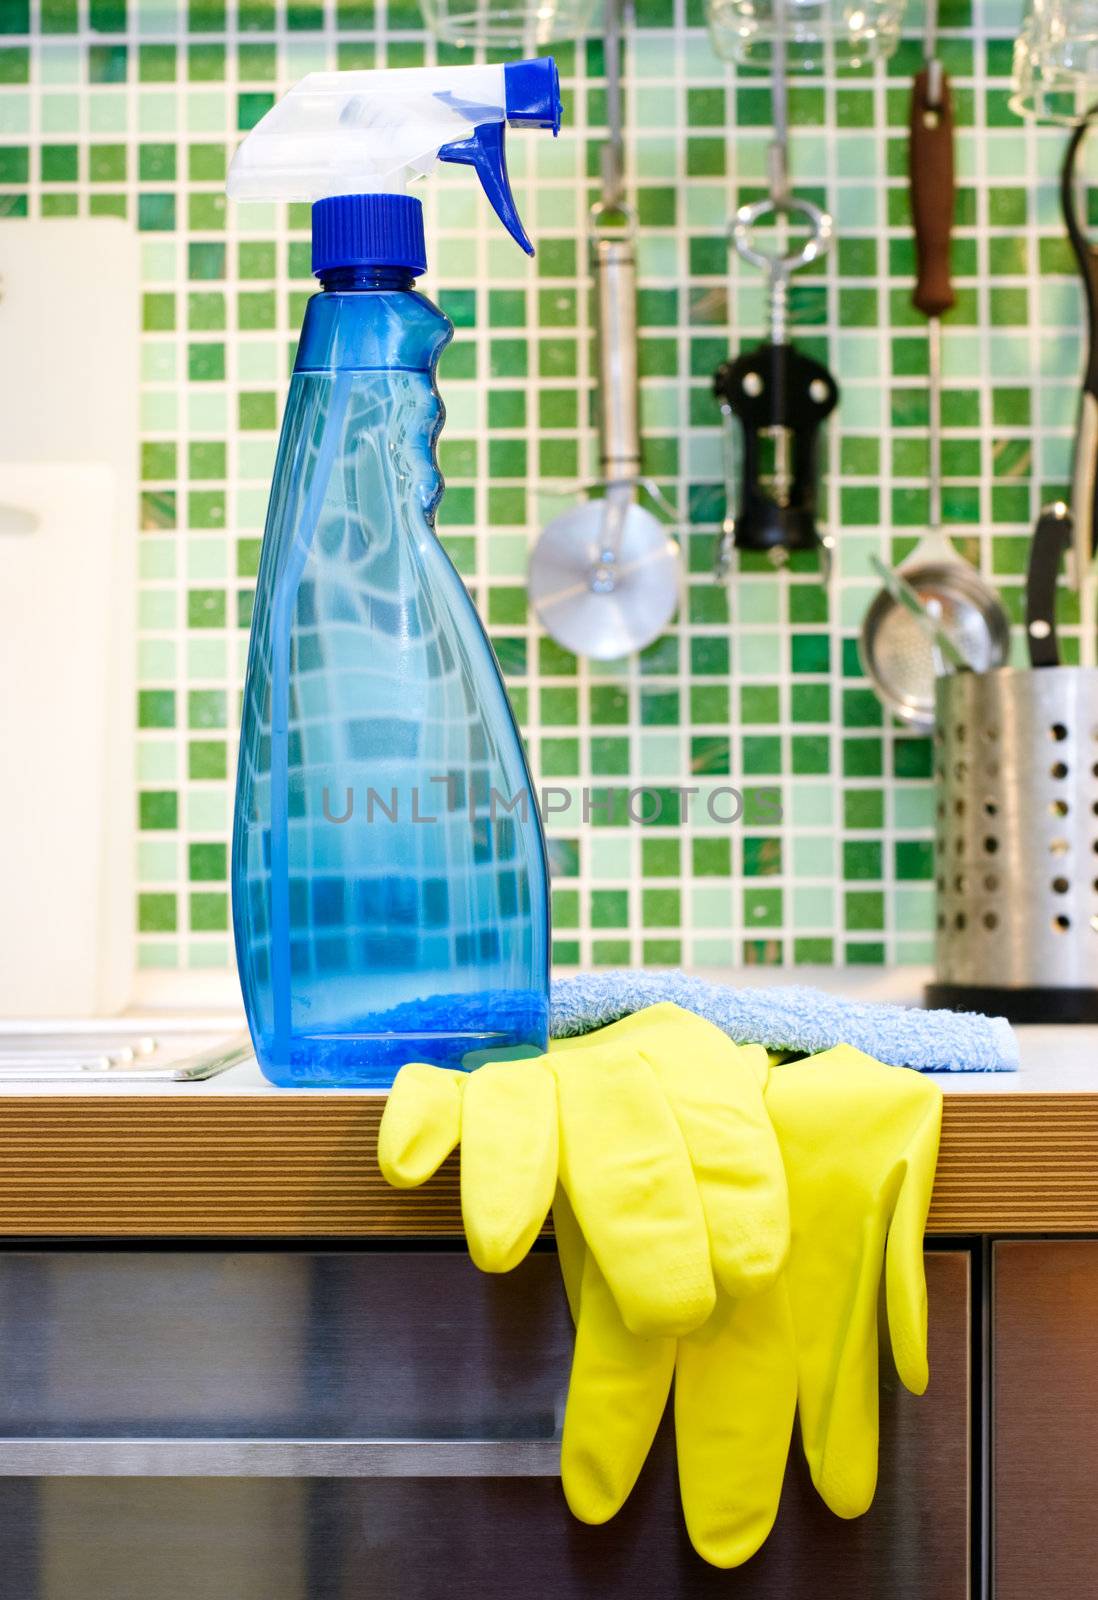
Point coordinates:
pixel 862 858
pixel 610 757
pixel 608 704
pixel 914 859
pixel 108 63
pixel 156 63
pixel 863 757
pixel 205 314
pixel 206 708
pixel 864 954
pixel 610 952
pixel 250 107
pixel 206 363
pixel 705 108
pixel 209 913
pixel 158 509
pixel 157 913
pixel 207 863
pixel 1010 407
pixel 507 408
pixel 661 908
pixel 207 759
pixel 58 16
pixel 156 213
pixel 813 952
pixel 609 908
pixel 810 702
pixel 158 313
pixel 863 808
pixel 762 858
pixel 661 858
pixel 205 260
pixel 107 163
pixel 659 707
pixel 559 758
pixel 256 259
pixel 156 708
pixel 811 754
pixel 760 703
pixel 59 163
pixel 158 809
pixel 810 653
pixel 710 755
pixel 863 910
pixel 709 703
pixel 709 656
pixel 107 205
pixel 711 858
pixel 557 408
pixel 206 608
pixel 258 411
pixel 762 908
pixel 761 754
pixel 158 459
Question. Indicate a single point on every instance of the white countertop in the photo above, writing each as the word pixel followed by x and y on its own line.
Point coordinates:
pixel 1055 1059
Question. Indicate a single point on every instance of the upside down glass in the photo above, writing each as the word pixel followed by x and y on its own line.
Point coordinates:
pixel 523 24
pixel 1055 74
pixel 816 33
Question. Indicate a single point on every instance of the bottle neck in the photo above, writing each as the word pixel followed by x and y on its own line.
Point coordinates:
pixel 349 280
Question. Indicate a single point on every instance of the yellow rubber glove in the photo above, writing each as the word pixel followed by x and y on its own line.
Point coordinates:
pixel 656 1132
pixel 860 1144
pixel 735 1395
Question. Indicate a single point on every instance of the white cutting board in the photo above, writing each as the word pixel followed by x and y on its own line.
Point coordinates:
pixel 69 316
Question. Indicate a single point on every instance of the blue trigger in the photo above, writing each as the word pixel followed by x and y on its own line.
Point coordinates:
pixel 483 151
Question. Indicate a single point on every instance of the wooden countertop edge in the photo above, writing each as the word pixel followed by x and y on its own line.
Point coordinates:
pixel 297 1167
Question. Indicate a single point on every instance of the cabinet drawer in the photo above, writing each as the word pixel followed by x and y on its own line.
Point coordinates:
pixel 1044 1425
pixel 263 1345
pixel 495 1533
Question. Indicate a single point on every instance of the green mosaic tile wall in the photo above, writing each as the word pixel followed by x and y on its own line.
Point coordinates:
pixel 133 110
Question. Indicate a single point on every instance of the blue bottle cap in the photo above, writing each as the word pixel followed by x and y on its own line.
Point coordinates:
pixel 532 90
pixel 368 230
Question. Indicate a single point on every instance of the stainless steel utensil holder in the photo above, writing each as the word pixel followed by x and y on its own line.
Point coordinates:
pixel 1017 843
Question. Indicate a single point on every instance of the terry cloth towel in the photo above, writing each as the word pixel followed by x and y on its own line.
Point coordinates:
pixel 794 1019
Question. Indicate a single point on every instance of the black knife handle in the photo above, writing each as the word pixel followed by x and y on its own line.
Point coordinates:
pixel 1051 537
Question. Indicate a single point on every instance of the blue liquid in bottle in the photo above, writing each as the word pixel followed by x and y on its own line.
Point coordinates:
pixel 390 892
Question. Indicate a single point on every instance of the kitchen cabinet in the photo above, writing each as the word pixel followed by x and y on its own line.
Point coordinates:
pixel 1044 1418
pixel 288 1424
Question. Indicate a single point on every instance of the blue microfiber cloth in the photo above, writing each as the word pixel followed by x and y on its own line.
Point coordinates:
pixel 795 1019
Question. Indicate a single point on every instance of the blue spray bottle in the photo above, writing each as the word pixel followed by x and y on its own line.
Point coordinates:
pixel 390 891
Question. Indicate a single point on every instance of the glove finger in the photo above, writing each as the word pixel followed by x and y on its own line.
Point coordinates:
pixel 616 1397
pixel 735 1395
pixel 905 1272
pixel 838 1379
pixel 508 1160
pixel 421 1124
pixel 571 1250
pixel 627 1173
pixel 715 1094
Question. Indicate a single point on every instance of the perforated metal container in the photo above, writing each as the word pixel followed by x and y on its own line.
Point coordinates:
pixel 1017 843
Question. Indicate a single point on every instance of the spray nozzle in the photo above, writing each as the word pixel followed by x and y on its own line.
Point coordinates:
pixel 371 133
